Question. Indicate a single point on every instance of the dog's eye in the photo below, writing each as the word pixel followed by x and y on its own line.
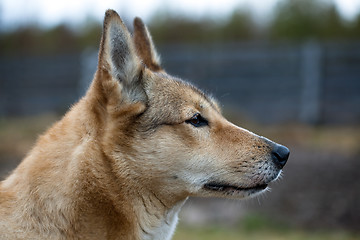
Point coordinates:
pixel 197 121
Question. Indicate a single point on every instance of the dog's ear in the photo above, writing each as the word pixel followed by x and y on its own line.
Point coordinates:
pixel 118 58
pixel 145 47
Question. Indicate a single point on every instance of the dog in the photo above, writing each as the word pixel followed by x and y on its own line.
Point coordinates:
pixel 125 158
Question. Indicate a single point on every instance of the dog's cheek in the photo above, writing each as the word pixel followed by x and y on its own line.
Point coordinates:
pixel 187 135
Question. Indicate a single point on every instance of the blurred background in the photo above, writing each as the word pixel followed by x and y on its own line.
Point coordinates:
pixel 285 69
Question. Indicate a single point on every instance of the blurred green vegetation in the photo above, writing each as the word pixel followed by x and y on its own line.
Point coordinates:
pixel 303 19
pixel 167 28
pixel 255 227
pixel 60 39
pixel 292 20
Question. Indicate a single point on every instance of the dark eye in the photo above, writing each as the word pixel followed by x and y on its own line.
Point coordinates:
pixel 197 121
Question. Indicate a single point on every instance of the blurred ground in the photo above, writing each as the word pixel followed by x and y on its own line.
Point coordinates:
pixel 257 230
pixel 319 190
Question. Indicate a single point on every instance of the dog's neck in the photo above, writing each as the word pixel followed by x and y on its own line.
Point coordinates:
pixel 91 198
pixel 155 215
pixel 157 221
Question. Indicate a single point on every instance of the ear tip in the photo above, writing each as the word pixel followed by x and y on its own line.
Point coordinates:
pixel 110 14
pixel 138 22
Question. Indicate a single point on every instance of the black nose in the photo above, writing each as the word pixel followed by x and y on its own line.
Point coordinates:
pixel 280 155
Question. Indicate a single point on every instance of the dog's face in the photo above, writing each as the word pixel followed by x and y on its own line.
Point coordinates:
pixel 193 148
pixel 175 138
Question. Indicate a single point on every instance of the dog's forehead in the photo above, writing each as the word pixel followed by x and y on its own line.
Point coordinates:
pixel 172 89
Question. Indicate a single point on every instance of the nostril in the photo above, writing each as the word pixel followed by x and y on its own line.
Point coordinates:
pixel 280 155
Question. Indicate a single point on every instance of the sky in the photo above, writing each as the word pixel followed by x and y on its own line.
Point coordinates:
pixel 47 13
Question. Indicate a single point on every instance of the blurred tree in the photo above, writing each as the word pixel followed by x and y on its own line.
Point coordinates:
pixel 294 20
pixel 35 41
pixel 90 34
pixel 20 41
pixel 240 26
pixel 60 37
pixel 170 28
pixel 332 25
pixel 354 28
pixel 303 19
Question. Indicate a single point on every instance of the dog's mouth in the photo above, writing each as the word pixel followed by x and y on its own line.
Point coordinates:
pixel 221 187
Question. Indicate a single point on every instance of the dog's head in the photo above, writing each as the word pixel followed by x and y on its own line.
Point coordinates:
pixel 166 134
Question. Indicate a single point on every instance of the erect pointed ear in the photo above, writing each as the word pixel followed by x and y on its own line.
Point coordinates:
pixel 145 47
pixel 118 58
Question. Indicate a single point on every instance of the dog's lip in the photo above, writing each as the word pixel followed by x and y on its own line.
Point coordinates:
pixel 220 187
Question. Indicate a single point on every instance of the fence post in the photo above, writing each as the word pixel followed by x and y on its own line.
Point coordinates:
pixel 311 74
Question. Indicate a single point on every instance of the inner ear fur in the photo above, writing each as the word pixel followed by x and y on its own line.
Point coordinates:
pixel 117 57
pixel 145 47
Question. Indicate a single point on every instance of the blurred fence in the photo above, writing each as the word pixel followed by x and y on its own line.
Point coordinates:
pixel 31 85
pixel 270 83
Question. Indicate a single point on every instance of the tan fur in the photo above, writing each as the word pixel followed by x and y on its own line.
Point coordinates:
pixel 144 46
pixel 124 159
